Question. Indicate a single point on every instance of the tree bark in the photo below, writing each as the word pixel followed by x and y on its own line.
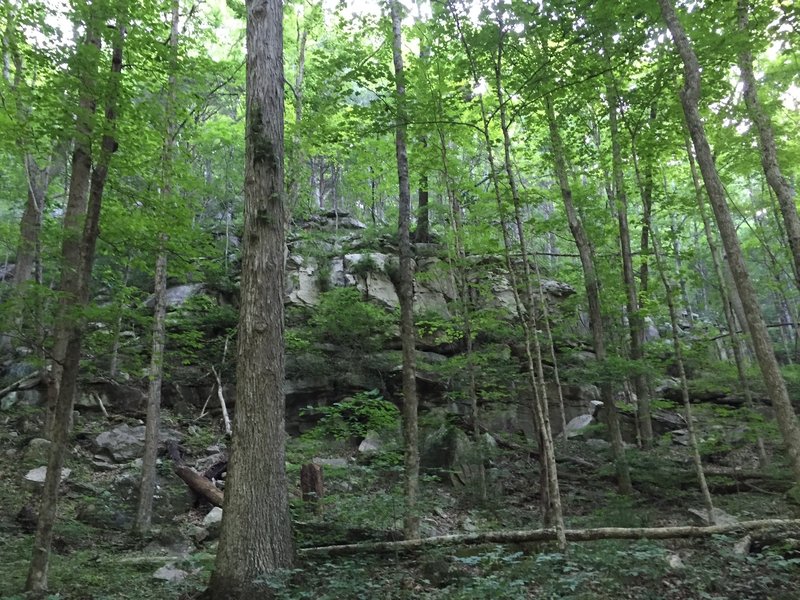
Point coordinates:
pixel 81 224
pixel 762 345
pixel 256 537
pixel 687 405
pixel 147 487
pixel 790 527
pixel 296 155
pixel 592 285
pixel 635 321
pixel 725 295
pixel 548 464
pixel 767 146
pixel 406 290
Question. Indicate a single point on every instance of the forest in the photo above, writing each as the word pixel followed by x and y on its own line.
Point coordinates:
pixel 399 298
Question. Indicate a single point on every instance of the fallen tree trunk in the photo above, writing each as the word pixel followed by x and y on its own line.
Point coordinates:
pixel 199 484
pixel 29 381
pixel 546 535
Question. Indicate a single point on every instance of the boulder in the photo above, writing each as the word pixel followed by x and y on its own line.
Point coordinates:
pixel 212 522
pixel 178 295
pixel 36 477
pixel 720 516
pixel 170 573
pixel 371 444
pixel 125 443
pixel 577 425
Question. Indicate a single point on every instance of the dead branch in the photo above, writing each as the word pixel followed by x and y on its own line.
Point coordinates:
pixel 546 535
pixel 225 418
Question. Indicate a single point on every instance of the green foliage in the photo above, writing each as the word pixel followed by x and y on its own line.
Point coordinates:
pixel 364 267
pixel 432 325
pixel 345 319
pixel 355 416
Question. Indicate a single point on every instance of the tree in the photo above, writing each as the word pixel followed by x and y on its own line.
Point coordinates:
pixel 81 225
pixel 406 288
pixel 762 345
pixel 767 146
pixel 256 537
pixel 144 512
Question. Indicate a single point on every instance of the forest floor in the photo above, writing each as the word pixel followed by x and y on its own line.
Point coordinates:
pixel 94 558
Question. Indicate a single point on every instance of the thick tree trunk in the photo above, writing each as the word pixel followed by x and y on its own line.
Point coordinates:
pixel 256 536
pixel 406 290
pixel 592 285
pixel 762 345
pixel 635 321
pixel 767 146
pixel 788 527
pixel 81 224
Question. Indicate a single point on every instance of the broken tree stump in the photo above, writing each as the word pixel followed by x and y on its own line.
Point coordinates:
pixel 311 484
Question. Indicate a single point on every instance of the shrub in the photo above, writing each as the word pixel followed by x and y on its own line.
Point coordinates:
pixel 343 318
pixel 355 416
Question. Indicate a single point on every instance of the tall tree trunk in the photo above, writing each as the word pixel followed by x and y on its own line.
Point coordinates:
pixel 296 157
pixel 462 285
pixel 422 232
pixel 635 321
pixel 406 289
pixel 531 332
pixel 762 345
pixel 677 349
pixel 724 294
pixel 767 146
pixel 592 284
pixel 147 486
pixel 81 225
pixel 256 537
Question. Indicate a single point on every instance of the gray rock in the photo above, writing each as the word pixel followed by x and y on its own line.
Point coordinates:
pixel 720 516
pixel 212 522
pixel 214 517
pixel 37 476
pixel 170 573
pixel 209 461
pixel 578 424
pixel 675 562
pixel 178 295
pixel 468 525
pixel 742 547
pixel 126 443
pixel 371 444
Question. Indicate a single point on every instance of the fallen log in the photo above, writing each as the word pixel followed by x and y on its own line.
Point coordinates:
pixel 545 535
pixel 29 381
pixel 199 484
